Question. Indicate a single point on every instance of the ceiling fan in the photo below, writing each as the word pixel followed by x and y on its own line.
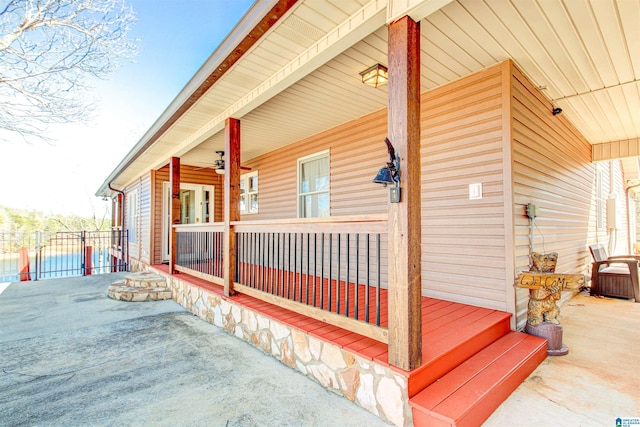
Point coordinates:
pixel 218 164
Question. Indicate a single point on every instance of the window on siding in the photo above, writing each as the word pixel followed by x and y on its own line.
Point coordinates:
pixel 313 185
pixel 599 200
pixel 249 193
pixel 132 215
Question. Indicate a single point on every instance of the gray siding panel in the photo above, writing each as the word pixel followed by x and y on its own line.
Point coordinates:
pixel 144 230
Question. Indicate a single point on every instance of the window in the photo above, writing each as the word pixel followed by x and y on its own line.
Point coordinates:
pixel 599 200
pixel 132 215
pixel 313 185
pixel 249 193
pixel 197 205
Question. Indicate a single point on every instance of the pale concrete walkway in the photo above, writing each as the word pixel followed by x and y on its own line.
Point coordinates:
pixel 597 382
pixel 69 356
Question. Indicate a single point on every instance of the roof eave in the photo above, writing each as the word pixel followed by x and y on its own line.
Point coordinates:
pixel 253 25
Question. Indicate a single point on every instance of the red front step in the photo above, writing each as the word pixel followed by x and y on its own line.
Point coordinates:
pixel 469 394
pixel 448 347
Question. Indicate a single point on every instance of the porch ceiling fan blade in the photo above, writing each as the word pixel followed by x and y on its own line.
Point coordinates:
pixel 218 164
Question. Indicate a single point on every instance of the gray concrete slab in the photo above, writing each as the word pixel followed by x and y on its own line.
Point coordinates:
pixel 593 385
pixel 71 356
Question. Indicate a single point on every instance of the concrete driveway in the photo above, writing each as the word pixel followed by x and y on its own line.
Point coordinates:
pixel 71 356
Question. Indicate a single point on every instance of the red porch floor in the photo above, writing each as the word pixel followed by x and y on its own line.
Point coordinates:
pixel 451 332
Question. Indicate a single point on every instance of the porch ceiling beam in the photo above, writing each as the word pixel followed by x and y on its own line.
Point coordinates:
pixel 416 9
pixel 615 150
pixel 368 19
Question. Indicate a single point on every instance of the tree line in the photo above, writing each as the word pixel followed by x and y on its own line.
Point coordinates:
pixel 27 221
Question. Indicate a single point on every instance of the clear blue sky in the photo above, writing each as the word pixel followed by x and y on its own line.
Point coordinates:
pixel 177 36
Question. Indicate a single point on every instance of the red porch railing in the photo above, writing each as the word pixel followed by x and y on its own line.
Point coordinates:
pixel 332 269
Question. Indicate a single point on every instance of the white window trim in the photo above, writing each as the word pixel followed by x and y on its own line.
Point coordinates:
pixel 320 154
pixel 246 177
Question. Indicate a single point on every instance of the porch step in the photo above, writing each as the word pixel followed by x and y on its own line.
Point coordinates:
pixel 468 394
pixel 140 287
pixel 145 279
pixel 446 348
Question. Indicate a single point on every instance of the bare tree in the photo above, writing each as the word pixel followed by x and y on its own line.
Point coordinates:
pixel 50 50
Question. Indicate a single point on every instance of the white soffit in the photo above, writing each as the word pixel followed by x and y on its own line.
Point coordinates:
pixel 280 60
pixel 584 55
pixel 631 171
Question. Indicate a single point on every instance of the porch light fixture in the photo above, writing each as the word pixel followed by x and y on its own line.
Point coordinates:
pixel 390 174
pixel 375 76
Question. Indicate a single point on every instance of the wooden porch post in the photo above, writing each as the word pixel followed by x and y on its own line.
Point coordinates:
pixel 405 283
pixel 174 182
pixel 231 199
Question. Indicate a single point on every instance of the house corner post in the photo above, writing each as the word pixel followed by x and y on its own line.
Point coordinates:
pixel 174 182
pixel 405 282
pixel 231 199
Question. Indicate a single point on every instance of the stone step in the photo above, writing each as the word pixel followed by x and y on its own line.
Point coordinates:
pixel 145 279
pixel 120 291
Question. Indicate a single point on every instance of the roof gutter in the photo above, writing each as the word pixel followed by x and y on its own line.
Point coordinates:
pixel 253 25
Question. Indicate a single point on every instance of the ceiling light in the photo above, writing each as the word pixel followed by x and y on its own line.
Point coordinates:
pixel 375 76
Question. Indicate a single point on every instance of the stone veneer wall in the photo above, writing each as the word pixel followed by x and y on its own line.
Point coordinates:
pixel 374 387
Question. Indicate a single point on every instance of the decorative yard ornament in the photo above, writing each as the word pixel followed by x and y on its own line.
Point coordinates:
pixel 545 287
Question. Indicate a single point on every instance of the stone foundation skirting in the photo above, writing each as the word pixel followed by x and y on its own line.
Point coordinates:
pixel 375 387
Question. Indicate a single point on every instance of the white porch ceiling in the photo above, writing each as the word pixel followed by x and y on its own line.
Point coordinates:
pixel 584 54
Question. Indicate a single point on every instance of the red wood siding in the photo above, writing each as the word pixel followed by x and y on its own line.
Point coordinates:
pixel 190 175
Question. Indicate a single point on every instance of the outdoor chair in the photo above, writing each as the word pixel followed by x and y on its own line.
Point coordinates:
pixel 614 276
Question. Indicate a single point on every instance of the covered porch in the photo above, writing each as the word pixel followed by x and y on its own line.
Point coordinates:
pixel 471 361
pixel 478 133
